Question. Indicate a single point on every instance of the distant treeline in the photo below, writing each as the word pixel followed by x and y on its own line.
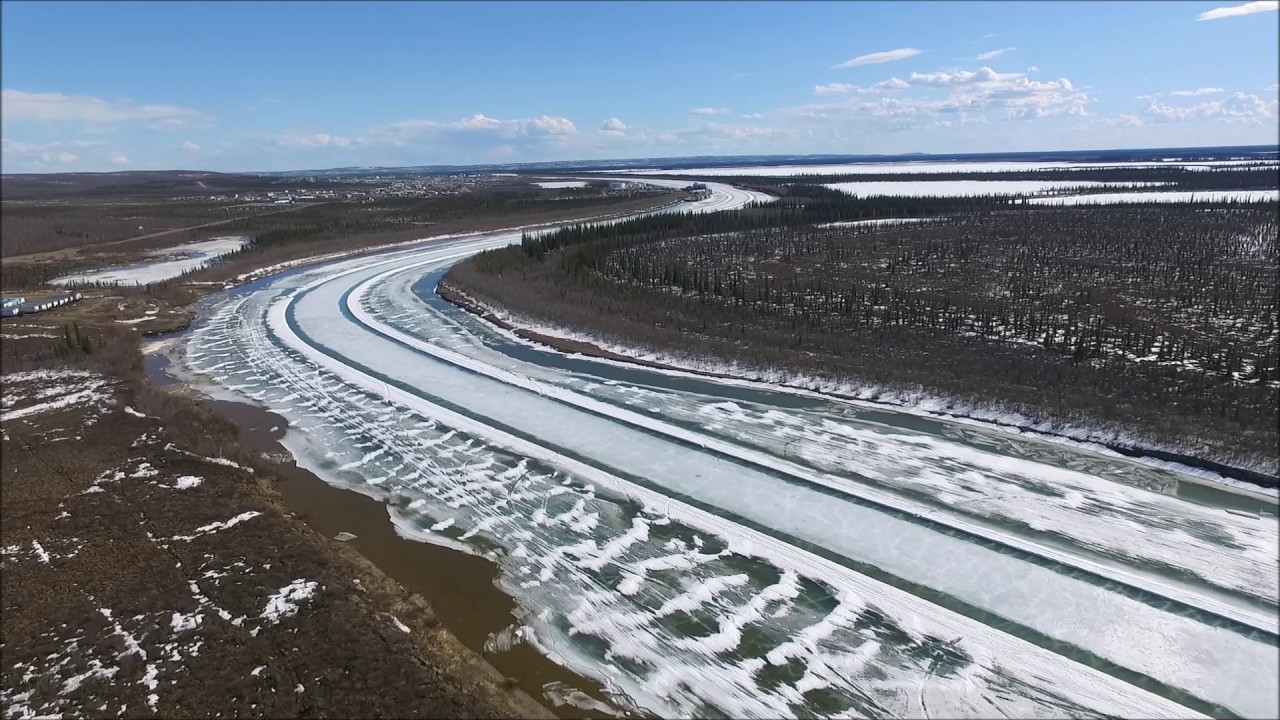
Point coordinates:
pixel 1234 177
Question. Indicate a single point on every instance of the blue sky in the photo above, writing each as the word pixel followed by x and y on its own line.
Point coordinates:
pixel 276 86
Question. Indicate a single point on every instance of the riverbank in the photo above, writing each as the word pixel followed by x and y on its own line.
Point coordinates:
pixel 458 586
pixel 157 563
pixel 562 340
pixel 152 569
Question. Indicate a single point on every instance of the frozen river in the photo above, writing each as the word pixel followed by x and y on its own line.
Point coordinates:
pixel 709 549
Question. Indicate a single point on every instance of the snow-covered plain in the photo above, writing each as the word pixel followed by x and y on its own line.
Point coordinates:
pixel 561 184
pixel 969 188
pixel 710 554
pixel 919 167
pixel 171 262
pixel 1164 196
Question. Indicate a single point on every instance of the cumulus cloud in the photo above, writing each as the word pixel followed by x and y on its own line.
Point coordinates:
pixel 119 159
pixel 1239 107
pixel 613 126
pixel 710 111
pixel 876 58
pixel 17 105
pixel 753 116
pixel 833 89
pixel 886 86
pixel 1249 8
pixel 301 140
pixel 1198 91
pixel 189 146
pixel 58 156
pixel 993 54
pixel 959 77
pixel 1033 70
pixel 946 99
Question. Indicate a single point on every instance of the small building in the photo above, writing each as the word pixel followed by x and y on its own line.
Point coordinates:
pixel 619 185
pixel 696 187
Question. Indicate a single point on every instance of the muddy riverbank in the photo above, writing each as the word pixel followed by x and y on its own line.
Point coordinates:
pixel 459 587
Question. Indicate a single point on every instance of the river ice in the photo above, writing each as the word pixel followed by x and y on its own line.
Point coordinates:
pixel 717 556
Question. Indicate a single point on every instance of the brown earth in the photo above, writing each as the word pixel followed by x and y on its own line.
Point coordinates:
pixel 127 592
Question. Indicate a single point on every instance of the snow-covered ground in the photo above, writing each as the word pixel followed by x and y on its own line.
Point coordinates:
pixel 877 221
pixel 969 188
pixel 708 553
pixel 561 184
pixel 170 262
pixel 918 167
pixel 38 392
pixel 1166 196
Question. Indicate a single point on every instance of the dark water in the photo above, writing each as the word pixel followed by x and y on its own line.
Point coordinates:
pixel 460 587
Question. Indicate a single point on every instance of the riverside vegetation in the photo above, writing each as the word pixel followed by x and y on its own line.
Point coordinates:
pixel 1154 324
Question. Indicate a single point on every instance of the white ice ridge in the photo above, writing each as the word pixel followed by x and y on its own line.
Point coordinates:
pixel 1062 607
pixel 1256 617
pixel 1069 676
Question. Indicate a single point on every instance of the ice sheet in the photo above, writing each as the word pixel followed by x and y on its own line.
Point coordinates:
pixel 176 261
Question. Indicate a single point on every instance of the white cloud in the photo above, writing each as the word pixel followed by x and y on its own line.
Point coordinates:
pixel 1239 107
pixel 16 105
pixel 119 159
pixel 189 146
pixel 1273 88
pixel 753 116
pixel 945 99
pixel 1248 8
pixel 885 86
pixel 57 156
pixel 1033 70
pixel 890 84
pixel 880 57
pixel 709 111
pixel 960 77
pixel 834 89
pixel 300 140
pixel 1198 91
pixel 613 126
pixel 993 54
pixel 478 138
pixel 405 130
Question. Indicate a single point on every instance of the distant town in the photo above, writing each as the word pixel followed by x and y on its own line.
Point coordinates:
pixel 325 188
